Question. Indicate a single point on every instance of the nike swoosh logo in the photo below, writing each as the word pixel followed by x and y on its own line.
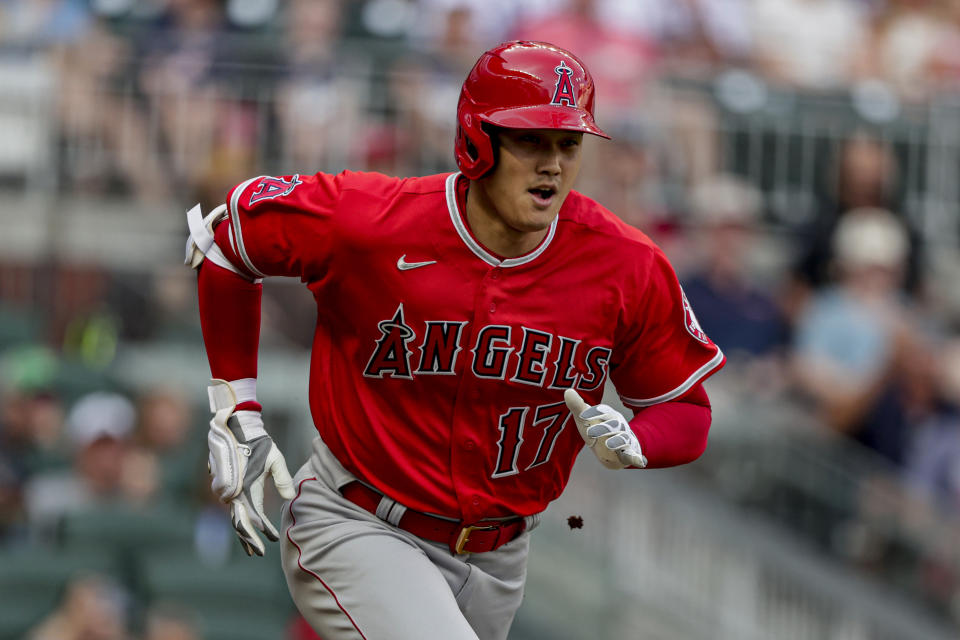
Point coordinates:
pixel 403 265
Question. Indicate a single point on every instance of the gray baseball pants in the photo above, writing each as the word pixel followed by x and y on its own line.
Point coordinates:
pixel 355 576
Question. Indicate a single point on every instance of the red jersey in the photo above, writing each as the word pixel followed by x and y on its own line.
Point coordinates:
pixel 438 368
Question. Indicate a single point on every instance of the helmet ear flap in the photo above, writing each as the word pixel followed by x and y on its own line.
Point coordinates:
pixel 475 151
pixel 493 135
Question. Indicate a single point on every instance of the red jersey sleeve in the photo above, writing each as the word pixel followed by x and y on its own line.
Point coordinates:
pixel 662 352
pixel 284 226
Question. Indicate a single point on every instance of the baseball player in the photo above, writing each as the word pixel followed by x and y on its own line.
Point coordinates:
pixel 466 325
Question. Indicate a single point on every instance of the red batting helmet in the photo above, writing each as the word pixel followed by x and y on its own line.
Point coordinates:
pixel 521 85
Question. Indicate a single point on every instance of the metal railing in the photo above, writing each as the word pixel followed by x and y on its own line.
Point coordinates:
pixel 660 556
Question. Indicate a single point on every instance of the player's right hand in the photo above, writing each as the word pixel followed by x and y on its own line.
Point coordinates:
pixel 607 433
pixel 242 454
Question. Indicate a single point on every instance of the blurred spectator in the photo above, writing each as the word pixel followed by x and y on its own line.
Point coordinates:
pixel 648 19
pixel 701 35
pixel 857 347
pixel 164 421
pixel 943 63
pixel 39 25
pixel 627 45
pixel 628 170
pixel 489 22
pixel 933 463
pixel 163 440
pixel 809 44
pixel 453 31
pixel 93 608
pixel 171 622
pixel 902 39
pixel 98 428
pixel 623 55
pixel 690 35
pixel 103 133
pixel 724 288
pixel 319 97
pixel 864 174
pixel 423 86
pixel 182 54
pixel 312 30
pixel 31 425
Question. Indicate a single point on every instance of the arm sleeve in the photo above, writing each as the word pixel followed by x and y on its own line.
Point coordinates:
pixel 674 432
pixel 230 321
pixel 660 352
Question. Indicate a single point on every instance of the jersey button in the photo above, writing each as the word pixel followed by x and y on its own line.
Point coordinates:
pixel 469 445
pixel 495 274
pixel 493 307
pixel 475 501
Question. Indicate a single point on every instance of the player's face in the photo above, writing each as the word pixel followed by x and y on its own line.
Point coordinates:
pixel 535 171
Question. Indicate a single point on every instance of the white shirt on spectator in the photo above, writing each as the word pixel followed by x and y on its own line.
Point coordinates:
pixel 808 43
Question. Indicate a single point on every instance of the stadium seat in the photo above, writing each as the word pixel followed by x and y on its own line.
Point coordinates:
pixel 18 327
pixel 245 599
pixel 124 529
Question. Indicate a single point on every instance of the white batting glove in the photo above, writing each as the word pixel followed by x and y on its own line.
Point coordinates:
pixel 242 454
pixel 606 432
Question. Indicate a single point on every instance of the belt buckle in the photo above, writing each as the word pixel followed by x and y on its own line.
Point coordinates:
pixel 464 536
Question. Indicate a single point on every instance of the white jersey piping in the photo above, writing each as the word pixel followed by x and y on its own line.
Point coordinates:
pixel 235 220
pixel 682 389
pixel 475 246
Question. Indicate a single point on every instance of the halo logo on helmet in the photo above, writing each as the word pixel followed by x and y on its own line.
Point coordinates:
pixel 521 85
pixel 563 94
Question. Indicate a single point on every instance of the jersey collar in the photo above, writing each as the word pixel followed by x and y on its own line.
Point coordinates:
pixel 478 249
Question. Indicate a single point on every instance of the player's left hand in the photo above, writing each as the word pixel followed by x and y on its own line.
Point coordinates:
pixel 606 432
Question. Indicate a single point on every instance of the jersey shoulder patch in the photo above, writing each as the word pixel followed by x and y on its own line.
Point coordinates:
pixel 691 322
pixel 270 187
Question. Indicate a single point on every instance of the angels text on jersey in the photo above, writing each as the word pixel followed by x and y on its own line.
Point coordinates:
pixel 498 352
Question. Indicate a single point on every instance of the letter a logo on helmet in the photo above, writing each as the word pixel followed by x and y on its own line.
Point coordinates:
pixel 521 85
pixel 563 95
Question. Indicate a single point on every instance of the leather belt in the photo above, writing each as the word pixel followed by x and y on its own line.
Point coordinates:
pixel 478 537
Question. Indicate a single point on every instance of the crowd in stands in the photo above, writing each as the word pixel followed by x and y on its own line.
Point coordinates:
pixel 163 98
pixel 175 101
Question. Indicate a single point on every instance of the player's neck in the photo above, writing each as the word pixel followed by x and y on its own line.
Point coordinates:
pixel 492 231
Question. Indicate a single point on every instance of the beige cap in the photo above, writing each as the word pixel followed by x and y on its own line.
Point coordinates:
pixel 870 236
pixel 726 199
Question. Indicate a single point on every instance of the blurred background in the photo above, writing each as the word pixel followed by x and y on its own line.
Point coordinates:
pixel 798 161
